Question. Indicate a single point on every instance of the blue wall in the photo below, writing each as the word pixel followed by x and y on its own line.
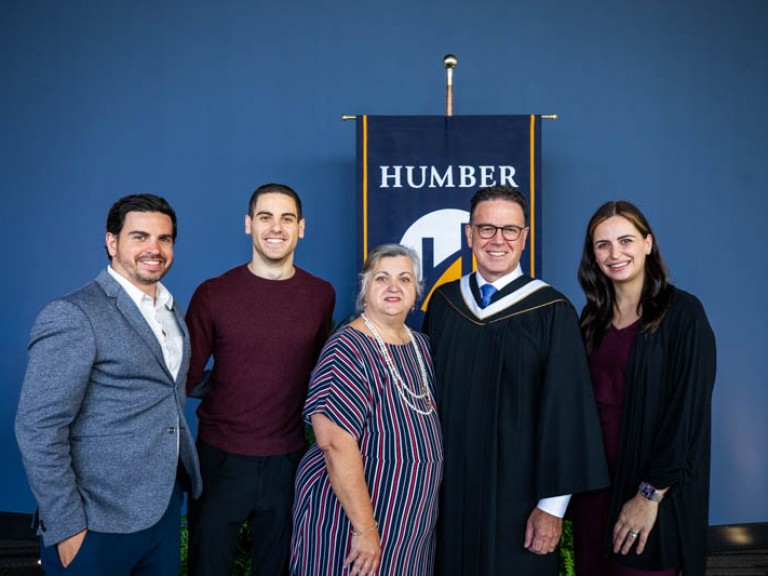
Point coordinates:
pixel 663 103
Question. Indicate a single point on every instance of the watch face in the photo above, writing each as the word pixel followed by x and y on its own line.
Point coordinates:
pixel 649 492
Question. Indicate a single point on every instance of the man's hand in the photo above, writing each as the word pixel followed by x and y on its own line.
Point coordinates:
pixel 542 532
pixel 69 548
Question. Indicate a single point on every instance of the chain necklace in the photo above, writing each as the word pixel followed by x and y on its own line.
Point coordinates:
pixel 408 396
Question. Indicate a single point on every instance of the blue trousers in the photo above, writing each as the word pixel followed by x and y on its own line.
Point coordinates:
pixel 151 552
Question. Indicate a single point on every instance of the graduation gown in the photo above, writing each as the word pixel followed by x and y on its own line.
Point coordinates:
pixel 519 421
pixel 665 436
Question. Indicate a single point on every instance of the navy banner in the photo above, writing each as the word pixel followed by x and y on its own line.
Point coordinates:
pixel 416 175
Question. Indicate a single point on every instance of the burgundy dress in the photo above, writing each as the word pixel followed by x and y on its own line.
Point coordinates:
pixel 607 366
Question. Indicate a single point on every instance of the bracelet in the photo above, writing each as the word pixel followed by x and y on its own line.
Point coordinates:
pixel 368 530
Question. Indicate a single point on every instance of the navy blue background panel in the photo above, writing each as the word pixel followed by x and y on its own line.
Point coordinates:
pixel 661 103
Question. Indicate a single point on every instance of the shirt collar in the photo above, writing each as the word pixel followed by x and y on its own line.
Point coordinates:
pixel 162 298
pixel 503 281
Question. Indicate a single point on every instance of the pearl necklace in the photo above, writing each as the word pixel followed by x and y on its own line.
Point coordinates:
pixel 408 396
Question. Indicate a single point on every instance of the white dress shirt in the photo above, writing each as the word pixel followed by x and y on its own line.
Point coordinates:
pixel 159 315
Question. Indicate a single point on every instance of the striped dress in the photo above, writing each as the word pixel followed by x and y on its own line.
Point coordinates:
pixel 402 456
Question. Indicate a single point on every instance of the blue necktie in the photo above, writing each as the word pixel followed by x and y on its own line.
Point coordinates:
pixel 488 290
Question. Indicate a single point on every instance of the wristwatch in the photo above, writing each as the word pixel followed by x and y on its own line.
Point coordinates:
pixel 650 493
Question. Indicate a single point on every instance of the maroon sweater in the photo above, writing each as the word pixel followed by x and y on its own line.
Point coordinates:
pixel 265 336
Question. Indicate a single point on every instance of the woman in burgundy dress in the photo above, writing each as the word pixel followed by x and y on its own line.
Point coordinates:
pixel 652 360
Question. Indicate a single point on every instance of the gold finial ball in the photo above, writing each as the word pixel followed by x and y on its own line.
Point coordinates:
pixel 450 61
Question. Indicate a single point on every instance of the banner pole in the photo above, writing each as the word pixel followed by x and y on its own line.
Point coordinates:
pixel 449 61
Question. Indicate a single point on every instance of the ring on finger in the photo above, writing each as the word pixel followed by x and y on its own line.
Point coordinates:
pixel 633 534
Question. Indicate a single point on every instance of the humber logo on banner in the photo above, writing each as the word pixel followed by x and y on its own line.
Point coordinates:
pixel 416 175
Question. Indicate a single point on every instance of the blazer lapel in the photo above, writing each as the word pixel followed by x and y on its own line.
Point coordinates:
pixel 186 352
pixel 132 314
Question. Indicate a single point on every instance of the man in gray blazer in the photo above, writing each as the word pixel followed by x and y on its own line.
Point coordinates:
pixel 100 422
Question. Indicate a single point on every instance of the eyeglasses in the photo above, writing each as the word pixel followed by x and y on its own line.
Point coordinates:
pixel 488 231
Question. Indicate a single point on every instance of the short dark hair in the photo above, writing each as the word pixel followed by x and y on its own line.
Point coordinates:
pixel 137 203
pixel 509 193
pixel 273 188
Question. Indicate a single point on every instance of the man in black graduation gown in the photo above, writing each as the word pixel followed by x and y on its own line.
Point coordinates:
pixel 520 427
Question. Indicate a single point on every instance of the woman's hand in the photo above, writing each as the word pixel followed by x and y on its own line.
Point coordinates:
pixel 345 471
pixel 365 554
pixel 635 522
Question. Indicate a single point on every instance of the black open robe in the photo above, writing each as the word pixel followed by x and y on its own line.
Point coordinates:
pixel 665 435
pixel 519 421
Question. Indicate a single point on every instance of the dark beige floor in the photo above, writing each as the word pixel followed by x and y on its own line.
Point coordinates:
pixel 746 563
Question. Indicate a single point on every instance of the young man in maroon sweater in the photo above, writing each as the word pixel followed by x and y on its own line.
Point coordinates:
pixel 264 323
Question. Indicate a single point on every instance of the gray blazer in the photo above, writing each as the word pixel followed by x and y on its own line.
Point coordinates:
pixel 100 422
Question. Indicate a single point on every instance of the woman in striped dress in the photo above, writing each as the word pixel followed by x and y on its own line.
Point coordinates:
pixel 366 493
